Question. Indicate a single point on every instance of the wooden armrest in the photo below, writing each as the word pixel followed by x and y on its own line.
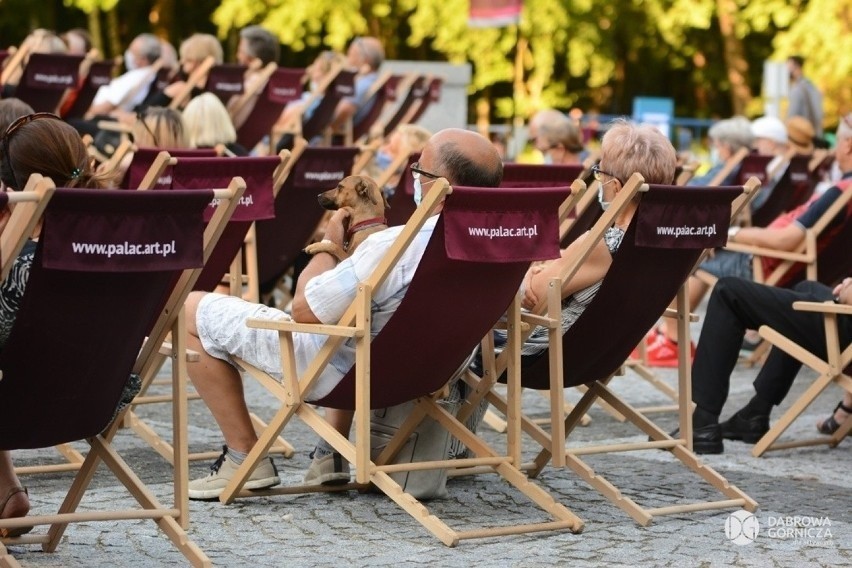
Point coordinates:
pixel 823 307
pixel 316 328
pixel 770 253
pixel 670 313
pixel 534 319
pixel 191 356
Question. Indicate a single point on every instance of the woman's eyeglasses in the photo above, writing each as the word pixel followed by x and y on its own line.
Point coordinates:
pixel 598 173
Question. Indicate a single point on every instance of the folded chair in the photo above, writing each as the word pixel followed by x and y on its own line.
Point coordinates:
pixel 269 99
pixel 297 212
pixel 648 270
pixel 834 369
pixel 85 270
pixel 46 78
pixel 100 74
pixel 263 177
pixel 456 266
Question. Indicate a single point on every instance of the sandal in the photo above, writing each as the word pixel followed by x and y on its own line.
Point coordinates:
pixel 14 531
pixel 829 426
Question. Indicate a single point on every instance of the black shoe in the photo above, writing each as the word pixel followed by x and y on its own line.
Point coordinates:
pixel 705 440
pixel 749 430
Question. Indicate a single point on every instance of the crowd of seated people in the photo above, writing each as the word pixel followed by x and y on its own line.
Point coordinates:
pixel 206 123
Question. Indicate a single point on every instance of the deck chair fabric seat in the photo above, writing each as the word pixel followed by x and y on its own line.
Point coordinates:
pixel 431 96
pixel 462 260
pixel 666 237
pixel 46 78
pixel 225 80
pixel 385 93
pixel 322 116
pixel 793 188
pixel 108 259
pixel 284 85
pixel 100 74
pixel 539 175
pixel 144 158
pixel 416 91
pixel 402 201
pixel 297 212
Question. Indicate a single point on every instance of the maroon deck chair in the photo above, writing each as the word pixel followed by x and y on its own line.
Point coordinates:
pixel 105 262
pixel 402 201
pixel 386 93
pixel 432 95
pixel 539 175
pixel 753 165
pixel 284 85
pixel 144 158
pixel 468 256
pixel 342 86
pixel 647 271
pixel 100 74
pixel 45 79
pixel 226 80
pixel 415 93
pixel 792 189
pixel 297 212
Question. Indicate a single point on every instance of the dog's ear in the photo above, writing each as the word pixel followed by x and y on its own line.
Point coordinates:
pixel 362 188
pixel 385 200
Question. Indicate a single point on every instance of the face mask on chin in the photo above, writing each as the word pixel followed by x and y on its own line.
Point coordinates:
pixel 418 192
pixel 383 160
pixel 548 159
pixel 715 158
pixel 129 61
pixel 604 204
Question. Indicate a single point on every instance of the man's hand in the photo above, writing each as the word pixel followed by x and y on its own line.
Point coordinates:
pixel 843 291
pixel 335 230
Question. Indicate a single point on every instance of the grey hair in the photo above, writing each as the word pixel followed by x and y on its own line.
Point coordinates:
pixel 735 132
pixel 150 47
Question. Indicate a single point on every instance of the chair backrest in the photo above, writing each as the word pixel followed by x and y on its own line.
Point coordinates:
pixel 343 85
pixel 100 74
pixel 539 175
pixel 104 262
pixel 226 80
pixel 754 165
pixel 385 92
pixel 432 95
pixel 297 211
pixel 143 159
pixel 471 255
pixel 257 203
pixel 415 93
pixel 284 85
pixel 402 201
pixel 646 273
pixel 793 188
pixel 45 79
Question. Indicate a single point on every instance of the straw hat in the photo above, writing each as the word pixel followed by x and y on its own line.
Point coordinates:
pixel 800 134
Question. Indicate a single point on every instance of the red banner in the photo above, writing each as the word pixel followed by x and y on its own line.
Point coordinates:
pixel 494 13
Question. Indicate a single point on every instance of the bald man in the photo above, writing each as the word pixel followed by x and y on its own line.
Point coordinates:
pixel 326 288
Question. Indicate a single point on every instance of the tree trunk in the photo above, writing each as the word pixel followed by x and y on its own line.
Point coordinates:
pixel 735 60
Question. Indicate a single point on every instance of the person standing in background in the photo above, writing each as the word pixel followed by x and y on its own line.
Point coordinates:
pixel 804 99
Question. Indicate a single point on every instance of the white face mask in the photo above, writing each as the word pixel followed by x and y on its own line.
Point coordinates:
pixel 604 204
pixel 715 159
pixel 129 61
pixel 548 159
pixel 418 192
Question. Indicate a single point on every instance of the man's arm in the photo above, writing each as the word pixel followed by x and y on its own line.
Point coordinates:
pixel 786 238
pixel 321 262
pixel 843 291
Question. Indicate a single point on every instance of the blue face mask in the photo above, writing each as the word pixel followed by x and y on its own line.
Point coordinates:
pixel 383 160
pixel 418 192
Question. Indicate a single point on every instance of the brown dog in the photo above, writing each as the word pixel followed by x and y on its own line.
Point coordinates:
pixel 366 203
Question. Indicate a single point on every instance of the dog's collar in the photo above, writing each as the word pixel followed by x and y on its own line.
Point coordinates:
pixel 366 224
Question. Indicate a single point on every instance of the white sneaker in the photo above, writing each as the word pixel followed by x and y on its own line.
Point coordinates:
pixel 330 469
pixel 211 486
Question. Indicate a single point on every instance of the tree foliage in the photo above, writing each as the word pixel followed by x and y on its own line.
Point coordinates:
pixel 595 54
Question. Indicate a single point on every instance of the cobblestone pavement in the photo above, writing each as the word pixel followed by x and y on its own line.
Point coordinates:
pixel 351 529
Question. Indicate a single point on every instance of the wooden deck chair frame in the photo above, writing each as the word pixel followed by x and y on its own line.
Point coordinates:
pixel 554 449
pixel 172 521
pixel 834 369
pixel 355 323
pixel 731 164
pixel 235 281
pixel 96 70
pixel 195 80
pixel 412 84
pixel 14 65
pixel 253 91
pixel 383 89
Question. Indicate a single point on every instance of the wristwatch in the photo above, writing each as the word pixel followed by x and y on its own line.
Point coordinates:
pixel 732 232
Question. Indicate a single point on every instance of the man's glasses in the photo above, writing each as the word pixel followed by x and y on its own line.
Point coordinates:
pixel 416 172
pixel 598 172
